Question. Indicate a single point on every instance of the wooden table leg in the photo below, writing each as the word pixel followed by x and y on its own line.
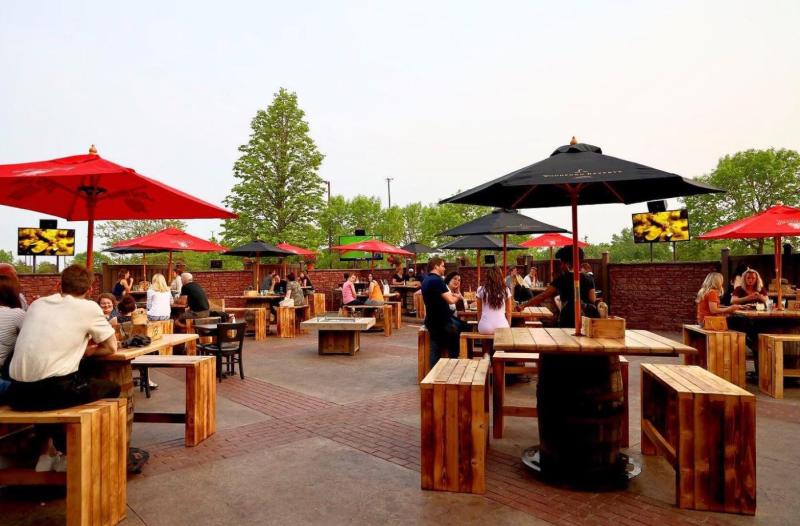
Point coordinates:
pixel 498 396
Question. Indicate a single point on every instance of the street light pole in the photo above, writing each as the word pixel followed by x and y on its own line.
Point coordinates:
pixel 330 241
pixel 389 190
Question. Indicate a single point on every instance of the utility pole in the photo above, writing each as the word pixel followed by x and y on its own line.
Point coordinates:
pixel 330 241
pixel 389 189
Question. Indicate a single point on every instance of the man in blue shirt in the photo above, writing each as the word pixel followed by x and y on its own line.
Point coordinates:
pixel 439 319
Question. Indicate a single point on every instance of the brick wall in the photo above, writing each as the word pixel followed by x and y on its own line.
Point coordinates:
pixel 37 285
pixel 656 296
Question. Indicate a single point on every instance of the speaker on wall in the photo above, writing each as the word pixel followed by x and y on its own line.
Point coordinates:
pixel 215 263
pixel 48 224
pixel 488 259
pixel 657 206
pixel 360 232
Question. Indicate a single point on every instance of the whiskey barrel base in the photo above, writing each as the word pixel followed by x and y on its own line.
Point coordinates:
pixel 627 469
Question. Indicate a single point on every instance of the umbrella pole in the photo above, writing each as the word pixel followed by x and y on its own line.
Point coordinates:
pixel 778 264
pixel 144 266
pixel 479 270
pixel 169 267
pixel 576 262
pixel 505 240
pixel 258 263
pixel 551 264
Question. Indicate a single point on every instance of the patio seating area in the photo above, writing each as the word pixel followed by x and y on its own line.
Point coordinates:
pixel 309 438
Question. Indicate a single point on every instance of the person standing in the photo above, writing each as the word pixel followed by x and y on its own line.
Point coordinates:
pixel 176 283
pixel 439 320
pixel 123 285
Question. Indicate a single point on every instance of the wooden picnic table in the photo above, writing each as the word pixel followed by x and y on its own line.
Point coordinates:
pixel 580 400
pixel 117 367
pixel 338 335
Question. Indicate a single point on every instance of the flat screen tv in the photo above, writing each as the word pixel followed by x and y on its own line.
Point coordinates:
pixel 661 227
pixel 45 242
pixel 358 255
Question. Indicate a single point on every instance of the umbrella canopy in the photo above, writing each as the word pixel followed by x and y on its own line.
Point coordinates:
pixel 502 221
pixel 776 221
pixel 298 251
pixel 550 241
pixel 167 240
pixel 256 249
pixel 479 242
pixel 579 174
pixel 373 245
pixel 90 188
pixel 418 248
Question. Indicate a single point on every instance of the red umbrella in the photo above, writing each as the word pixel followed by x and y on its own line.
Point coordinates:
pixel 550 241
pixel 170 240
pixel 373 245
pixel 776 221
pixel 89 188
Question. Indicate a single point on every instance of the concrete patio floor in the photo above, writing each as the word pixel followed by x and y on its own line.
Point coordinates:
pixel 309 439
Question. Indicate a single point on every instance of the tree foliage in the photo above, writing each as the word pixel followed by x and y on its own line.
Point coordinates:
pixel 278 193
pixel 113 231
pixel 6 256
pixel 753 180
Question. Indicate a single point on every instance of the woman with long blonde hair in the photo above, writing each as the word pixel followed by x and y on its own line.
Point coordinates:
pixel 751 290
pixel 708 302
pixel 159 299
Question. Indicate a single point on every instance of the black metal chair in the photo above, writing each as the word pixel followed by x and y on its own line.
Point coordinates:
pixel 227 348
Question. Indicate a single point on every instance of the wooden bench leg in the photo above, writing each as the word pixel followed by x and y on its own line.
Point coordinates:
pixel 625 442
pixel 498 397
pixel 79 495
pixel 201 388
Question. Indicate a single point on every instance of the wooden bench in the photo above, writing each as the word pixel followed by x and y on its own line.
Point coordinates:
pixel 771 371
pixel 256 318
pixel 423 353
pixel 200 417
pixel 705 427
pixel 530 365
pixel 97 455
pixel 721 352
pixel 419 305
pixel 385 317
pixel 466 343
pixel 289 320
pixel 455 426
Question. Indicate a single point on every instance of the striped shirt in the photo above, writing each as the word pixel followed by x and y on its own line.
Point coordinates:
pixel 10 324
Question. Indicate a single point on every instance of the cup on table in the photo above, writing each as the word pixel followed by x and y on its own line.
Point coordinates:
pixel 760 306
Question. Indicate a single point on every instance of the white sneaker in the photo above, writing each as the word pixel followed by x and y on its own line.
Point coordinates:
pixel 60 462
pixel 45 463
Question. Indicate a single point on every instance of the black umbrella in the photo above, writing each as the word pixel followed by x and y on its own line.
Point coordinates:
pixel 256 249
pixel 479 242
pixel 418 248
pixel 502 221
pixel 579 174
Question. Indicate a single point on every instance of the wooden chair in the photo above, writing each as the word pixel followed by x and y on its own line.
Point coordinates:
pixel 705 427
pixel 96 459
pixel 227 349
pixel 771 370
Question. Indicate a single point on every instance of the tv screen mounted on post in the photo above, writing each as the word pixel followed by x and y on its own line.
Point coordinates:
pixel 45 242
pixel 358 255
pixel 661 227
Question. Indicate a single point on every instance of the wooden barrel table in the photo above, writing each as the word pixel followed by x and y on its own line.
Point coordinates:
pixel 581 405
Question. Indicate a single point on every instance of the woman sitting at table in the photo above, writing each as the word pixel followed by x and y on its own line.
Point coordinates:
pixel 374 292
pixel 159 299
pixel 108 304
pixel 11 318
pixel 399 276
pixel 303 280
pixel 123 285
pixel 294 291
pixel 751 291
pixel 495 298
pixel 708 302
pixel 349 296
pixel 453 282
pixel 124 310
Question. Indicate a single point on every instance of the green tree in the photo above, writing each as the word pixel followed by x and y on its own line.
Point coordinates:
pixel 753 180
pixel 113 231
pixel 6 256
pixel 279 192
pixel 98 259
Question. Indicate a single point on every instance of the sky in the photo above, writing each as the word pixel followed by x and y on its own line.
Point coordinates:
pixel 439 96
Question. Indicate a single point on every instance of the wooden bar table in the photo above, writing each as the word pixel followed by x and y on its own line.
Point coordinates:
pixel 407 291
pixel 117 367
pixel 580 400
pixel 775 321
